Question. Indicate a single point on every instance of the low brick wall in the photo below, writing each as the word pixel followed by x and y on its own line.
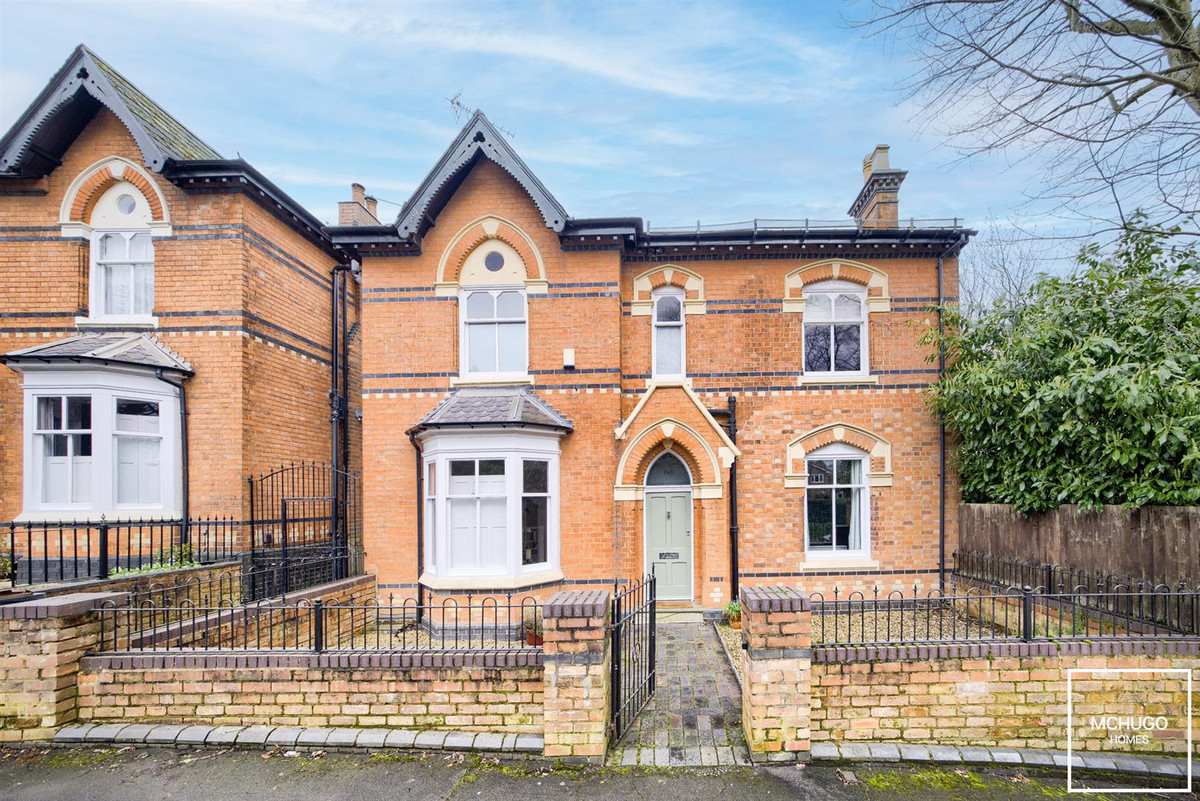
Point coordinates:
pixel 41 643
pixel 465 692
pixel 989 694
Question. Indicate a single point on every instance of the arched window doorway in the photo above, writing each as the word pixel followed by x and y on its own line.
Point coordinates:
pixel 668 526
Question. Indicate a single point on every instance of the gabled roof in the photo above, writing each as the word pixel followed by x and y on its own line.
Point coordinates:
pixel 478 139
pixel 494 406
pixel 137 350
pixel 36 142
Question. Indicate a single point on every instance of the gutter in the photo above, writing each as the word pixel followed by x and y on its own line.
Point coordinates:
pixel 338 386
pixel 184 508
pixel 420 458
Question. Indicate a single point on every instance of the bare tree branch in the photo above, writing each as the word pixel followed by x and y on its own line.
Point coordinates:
pixel 1109 89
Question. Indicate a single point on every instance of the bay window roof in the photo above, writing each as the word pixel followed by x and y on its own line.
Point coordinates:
pixel 135 350
pixel 494 406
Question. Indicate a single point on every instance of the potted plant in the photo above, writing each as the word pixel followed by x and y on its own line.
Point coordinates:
pixel 533 629
pixel 733 611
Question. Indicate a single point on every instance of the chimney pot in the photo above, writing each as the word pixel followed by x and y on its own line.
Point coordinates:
pixel 372 205
pixel 357 192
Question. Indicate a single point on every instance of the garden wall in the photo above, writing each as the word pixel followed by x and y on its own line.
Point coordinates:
pixel 1158 543
pixel 453 691
pixel 991 694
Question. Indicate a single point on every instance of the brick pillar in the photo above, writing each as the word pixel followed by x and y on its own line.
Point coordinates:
pixel 777 675
pixel 576 679
pixel 41 643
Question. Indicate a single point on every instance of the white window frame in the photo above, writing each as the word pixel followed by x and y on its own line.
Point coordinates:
pixel 104 387
pixel 37 452
pixel 841 452
pixel 656 296
pixel 464 357
pixel 441 447
pixel 833 288
pixel 98 280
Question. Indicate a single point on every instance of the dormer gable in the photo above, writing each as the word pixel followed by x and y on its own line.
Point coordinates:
pixel 34 145
pixel 477 139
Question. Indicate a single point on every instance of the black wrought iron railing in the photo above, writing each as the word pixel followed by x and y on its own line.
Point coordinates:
pixel 1025 614
pixel 634 676
pixel 71 551
pixel 476 624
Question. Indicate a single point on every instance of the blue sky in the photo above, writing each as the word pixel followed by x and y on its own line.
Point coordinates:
pixel 675 112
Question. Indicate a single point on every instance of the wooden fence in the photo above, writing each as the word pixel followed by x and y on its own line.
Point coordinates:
pixel 1156 543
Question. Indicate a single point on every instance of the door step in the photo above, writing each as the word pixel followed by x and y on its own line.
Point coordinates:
pixel 681 615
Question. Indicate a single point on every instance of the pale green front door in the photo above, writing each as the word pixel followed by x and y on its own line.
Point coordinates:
pixel 669 542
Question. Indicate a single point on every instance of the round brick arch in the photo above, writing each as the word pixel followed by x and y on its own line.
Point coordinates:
pixel 93 182
pixel 475 234
pixel 873 278
pixel 672 435
pixel 876 447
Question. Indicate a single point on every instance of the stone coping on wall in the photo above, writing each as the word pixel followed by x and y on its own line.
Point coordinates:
pixel 349 660
pixel 1000 757
pixel 577 603
pixel 1001 649
pixel 296 737
pixel 774 599
pixel 60 606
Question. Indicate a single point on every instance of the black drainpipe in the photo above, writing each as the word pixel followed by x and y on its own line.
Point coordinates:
pixel 412 437
pixel 337 410
pixel 184 534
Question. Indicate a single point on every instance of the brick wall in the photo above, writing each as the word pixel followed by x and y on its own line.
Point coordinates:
pixel 1006 694
pixel 776 675
pixel 454 692
pixel 577 679
pixel 41 644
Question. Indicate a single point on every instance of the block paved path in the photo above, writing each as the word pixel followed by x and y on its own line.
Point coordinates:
pixel 695 717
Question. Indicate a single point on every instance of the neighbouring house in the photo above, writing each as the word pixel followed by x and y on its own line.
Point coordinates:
pixel 546 401
pixel 166 314
pixel 559 401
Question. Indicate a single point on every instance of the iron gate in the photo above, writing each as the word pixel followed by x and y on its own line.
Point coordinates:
pixel 633 653
pixel 304 528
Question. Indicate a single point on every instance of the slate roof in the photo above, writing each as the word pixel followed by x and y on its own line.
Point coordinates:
pixel 32 147
pixel 478 139
pixel 494 406
pixel 139 350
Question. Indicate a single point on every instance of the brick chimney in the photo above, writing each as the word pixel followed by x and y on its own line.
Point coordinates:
pixel 359 210
pixel 878 202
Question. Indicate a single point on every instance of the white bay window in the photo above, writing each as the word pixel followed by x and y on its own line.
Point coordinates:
pixel 491 507
pixel 100 442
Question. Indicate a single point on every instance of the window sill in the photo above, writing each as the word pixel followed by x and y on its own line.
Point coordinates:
pixel 489 582
pixel 837 379
pixel 117 323
pixel 814 563
pixel 490 381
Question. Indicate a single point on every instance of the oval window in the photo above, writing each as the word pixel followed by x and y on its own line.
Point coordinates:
pixel 494 262
pixel 126 204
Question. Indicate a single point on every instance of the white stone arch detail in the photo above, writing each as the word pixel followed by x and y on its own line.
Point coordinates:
pixel 689 280
pixel 875 446
pixel 120 168
pixel 669 425
pixel 877 279
pixel 490 223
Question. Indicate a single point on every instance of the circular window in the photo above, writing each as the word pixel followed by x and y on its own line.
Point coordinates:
pixel 494 262
pixel 126 204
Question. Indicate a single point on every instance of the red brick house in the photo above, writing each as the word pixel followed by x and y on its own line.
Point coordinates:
pixel 166 315
pixel 554 400
pixel 546 400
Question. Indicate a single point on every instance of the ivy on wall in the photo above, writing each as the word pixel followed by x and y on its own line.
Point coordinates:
pixel 1084 391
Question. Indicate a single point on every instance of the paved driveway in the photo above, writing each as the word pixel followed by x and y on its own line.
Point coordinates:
pixel 695 718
